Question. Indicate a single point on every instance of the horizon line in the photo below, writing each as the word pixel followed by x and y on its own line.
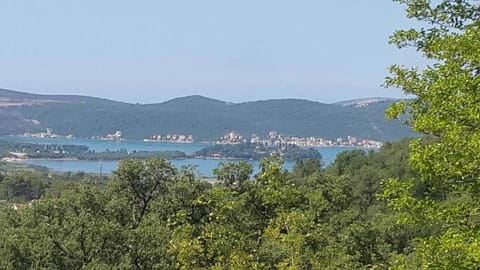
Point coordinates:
pixel 197 95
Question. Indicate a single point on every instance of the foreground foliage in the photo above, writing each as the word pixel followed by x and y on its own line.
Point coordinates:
pixel 154 216
pixel 447 110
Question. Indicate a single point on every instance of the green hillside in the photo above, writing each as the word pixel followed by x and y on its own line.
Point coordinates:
pixel 204 118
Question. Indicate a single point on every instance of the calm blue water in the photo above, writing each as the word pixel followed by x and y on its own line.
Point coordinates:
pixel 204 166
pixel 103 145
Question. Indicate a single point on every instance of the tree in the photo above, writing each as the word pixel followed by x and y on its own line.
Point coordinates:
pixel 143 181
pixel 89 226
pixel 23 186
pixel 233 173
pixel 446 109
pixel 304 168
pixel 69 232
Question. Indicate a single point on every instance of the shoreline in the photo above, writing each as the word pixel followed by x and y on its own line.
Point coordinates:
pixel 9 159
pixel 182 143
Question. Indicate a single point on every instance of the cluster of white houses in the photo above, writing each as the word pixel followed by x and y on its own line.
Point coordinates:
pixel 275 138
pixel 171 138
pixel 47 134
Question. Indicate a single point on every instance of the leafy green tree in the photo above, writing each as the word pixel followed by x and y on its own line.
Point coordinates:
pixel 69 232
pixel 23 186
pixel 446 109
pixel 304 168
pixel 347 162
pixel 276 187
pixel 233 173
pixel 89 226
pixel 141 182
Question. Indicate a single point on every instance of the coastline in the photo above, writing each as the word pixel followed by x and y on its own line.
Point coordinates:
pixel 185 142
pixel 10 159
pixel 27 159
pixel 204 163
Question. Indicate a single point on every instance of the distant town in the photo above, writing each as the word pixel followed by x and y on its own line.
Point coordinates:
pixel 273 138
pixel 47 134
pixel 171 138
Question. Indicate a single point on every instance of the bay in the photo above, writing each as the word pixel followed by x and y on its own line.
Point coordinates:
pixel 103 145
pixel 204 166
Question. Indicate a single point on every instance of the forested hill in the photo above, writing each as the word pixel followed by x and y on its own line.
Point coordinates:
pixel 204 118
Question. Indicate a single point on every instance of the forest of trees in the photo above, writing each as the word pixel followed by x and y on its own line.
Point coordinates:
pixel 81 152
pixel 256 151
pixel 151 215
pixel 414 204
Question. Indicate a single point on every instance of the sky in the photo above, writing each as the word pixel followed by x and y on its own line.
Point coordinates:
pixel 153 50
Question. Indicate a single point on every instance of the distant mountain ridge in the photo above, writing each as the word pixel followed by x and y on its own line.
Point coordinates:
pixel 364 101
pixel 204 118
pixel 17 96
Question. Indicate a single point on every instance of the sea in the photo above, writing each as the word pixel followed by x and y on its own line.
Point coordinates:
pixel 204 167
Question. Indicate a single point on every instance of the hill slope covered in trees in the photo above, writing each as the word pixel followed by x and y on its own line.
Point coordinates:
pixel 204 118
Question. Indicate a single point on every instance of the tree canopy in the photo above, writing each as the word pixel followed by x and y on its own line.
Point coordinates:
pixel 446 108
pixel 151 215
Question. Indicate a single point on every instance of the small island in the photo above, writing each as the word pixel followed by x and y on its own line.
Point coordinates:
pixel 21 150
pixel 256 151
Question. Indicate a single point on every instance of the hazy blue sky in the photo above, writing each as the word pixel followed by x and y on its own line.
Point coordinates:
pixel 152 50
